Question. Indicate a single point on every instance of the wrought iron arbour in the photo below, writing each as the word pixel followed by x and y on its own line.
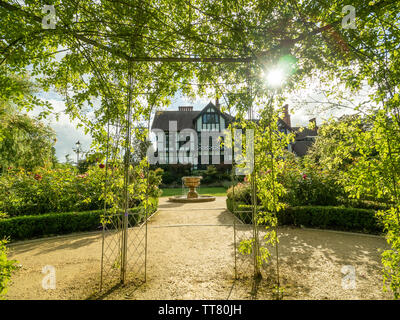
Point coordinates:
pixel 124 240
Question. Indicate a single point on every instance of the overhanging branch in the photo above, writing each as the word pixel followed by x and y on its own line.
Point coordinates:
pixel 117 52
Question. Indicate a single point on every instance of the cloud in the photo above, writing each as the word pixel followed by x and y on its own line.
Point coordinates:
pixel 67 136
pixel 66 130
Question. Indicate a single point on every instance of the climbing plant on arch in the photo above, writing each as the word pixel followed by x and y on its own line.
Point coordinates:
pixel 107 57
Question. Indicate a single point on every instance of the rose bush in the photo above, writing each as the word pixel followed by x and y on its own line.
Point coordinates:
pixel 62 189
pixel 305 184
pixel 309 184
pixel 241 192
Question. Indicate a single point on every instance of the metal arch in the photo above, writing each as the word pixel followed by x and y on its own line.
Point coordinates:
pixel 124 233
pixel 246 215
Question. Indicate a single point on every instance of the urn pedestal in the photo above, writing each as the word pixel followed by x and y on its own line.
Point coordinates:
pixel 192 183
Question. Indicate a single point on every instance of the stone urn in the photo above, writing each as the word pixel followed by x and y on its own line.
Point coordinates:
pixel 192 183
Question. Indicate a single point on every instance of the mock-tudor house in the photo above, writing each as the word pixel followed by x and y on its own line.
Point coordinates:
pixel 201 125
pixel 304 136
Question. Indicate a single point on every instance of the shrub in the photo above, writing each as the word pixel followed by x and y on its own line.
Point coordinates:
pixel 238 209
pixel 226 184
pixel 364 204
pixel 61 190
pixel 33 226
pixel 6 267
pixel 324 217
pixel 309 187
pixel 172 174
pixel 241 192
pixel 45 190
pixel 210 175
pixel 155 178
pixel 337 218
pixel 215 175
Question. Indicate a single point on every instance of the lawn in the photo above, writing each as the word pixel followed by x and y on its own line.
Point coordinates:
pixel 209 191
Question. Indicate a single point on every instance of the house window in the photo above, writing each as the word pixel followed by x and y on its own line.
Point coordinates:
pixel 210 118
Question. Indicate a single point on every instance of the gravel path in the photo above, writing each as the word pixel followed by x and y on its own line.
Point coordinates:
pixel 191 256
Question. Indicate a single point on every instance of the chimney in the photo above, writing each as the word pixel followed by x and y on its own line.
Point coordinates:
pixel 217 103
pixel 313 123
pixel 286 115
pixel 186 108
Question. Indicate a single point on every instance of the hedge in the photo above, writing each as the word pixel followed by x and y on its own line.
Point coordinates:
pixel 35 226
pixel 324 217
pixel 365 204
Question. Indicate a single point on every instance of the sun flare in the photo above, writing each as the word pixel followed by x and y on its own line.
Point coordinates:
pixel 275 77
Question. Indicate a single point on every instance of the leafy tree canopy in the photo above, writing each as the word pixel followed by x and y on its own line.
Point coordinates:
pixel 24 142
pixel 167 46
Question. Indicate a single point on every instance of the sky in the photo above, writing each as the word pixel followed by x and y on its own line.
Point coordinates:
pixel 66 130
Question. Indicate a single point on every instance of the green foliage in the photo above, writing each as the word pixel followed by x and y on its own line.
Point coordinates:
pixel 337 218
pixel 50 190
pixel 309 186
pixel 154 180
pixel 303 186
pixel 364 204
pixel 172 174
pixel 61 190
pixel 24 142
pixel 334 148
pixel 6 268
pixel 213 176
pixel 210 175
pixel 100 56
pixel 235 207
pixel 374 173
pixel 366 162
pixel 262 188
pixel 322 217
pixel 211 191
pixel 391 257
pixel 240 192
pixel 34 226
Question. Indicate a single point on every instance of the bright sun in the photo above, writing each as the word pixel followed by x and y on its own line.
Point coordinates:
pixel 275 77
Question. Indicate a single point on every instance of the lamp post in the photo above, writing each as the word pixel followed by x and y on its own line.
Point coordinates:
pixel 77 150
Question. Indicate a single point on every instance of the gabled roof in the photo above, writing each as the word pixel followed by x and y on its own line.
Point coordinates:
pixel 185 119
pixel 284 124
pixel 226 116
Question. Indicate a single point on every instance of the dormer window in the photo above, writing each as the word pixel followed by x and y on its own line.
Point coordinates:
pixel 210 118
